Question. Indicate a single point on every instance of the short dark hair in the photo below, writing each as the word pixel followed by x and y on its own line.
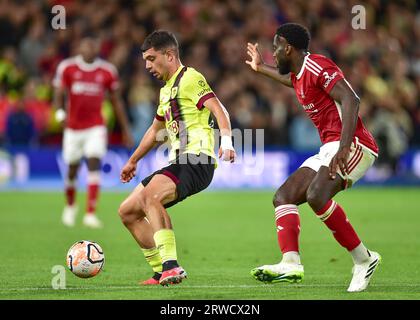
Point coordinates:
pixel 159 40
pixel 295 34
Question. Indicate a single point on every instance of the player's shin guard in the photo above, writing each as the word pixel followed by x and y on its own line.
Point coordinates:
pixel 165 243
pixel 70 191
pixel 335 219
pixel 93 181
pixel 288 228
pixel 153 258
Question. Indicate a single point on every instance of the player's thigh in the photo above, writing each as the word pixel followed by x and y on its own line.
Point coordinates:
pixel 96 142
pixel 293 190
pixel 161 188
pixel 323 188
pixel 72 146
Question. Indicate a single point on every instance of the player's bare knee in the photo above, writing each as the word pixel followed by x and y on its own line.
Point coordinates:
pixel 315 199
pixel 125 212
pixel 281 198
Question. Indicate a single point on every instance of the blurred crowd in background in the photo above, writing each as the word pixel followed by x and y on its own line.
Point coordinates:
pixel 382 62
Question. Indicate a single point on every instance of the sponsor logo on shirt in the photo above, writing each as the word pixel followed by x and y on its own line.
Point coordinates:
pixel 86 88
pixel 309 107
pixel 204 91
pixel 329 78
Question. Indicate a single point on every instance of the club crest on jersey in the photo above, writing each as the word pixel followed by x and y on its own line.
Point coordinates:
pixel 99 77
pixel 77 75
pixel 174 91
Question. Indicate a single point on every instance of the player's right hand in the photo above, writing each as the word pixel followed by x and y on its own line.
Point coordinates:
pixel 128 172
pixel 255 55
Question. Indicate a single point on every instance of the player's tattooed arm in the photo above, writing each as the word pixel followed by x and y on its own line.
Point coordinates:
pixel 257 64
pixel 349 101
pixel 150 139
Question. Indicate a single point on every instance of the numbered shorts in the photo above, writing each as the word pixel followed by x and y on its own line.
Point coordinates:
pixel 359 161
pixel 89 143
pixel 191 173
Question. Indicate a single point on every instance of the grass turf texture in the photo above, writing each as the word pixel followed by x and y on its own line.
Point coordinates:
pixel 220 237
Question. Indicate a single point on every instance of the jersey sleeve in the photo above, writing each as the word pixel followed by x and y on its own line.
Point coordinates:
pixel 61 78
pixel 113 82
pixel 329 75
pixel 197 89
pixel 160 114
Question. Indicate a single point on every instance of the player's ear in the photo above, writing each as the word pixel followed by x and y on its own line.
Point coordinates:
pixel 288 49
pixel 170 55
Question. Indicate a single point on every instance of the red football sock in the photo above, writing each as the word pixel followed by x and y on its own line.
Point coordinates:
pixel 93 180
pixel 335 219
pixel 288 227
pixel 70 192
pixel 92 196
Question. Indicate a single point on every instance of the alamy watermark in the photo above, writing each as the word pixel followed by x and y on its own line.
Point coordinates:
pixel 248 145
pixel 59 20
pixel 359 20
pixel 58 281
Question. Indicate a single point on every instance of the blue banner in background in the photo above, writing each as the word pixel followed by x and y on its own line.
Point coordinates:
pixel 43 168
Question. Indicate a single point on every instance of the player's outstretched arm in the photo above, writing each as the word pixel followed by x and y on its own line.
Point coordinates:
pixel 344 94
pixel 117 105
pixel 226 150
pixel 257 64
pixel 146 144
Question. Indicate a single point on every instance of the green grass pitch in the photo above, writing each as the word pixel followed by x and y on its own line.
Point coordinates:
pixel 221 236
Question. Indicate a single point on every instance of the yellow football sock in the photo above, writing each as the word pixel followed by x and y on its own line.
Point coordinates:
pixel 153 258
pixel 165 243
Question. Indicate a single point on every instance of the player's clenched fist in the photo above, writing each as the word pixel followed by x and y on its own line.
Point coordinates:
pixel 128 172
pixel 226 150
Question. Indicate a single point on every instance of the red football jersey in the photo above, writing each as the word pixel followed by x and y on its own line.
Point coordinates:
pixel 312 85
pixel 86 85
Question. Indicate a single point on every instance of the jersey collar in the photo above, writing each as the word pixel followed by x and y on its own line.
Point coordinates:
pixel 82 64
pixel 303 66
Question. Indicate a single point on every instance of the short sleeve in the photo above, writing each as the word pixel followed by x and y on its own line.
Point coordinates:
pixel 61 75
pixel 329 75
pixel 113 82
pixel 197 89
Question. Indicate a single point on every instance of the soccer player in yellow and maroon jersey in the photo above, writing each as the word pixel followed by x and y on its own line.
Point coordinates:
pixel 186 102
pixel 348 151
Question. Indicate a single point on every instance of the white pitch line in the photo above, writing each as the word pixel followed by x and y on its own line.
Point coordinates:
pixel 268 286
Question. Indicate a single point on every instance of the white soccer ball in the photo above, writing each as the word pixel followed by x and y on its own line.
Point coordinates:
pixel 85 259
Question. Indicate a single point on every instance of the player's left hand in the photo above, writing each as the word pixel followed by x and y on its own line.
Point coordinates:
pixel 340 161
pixel 128 172
pixel 227 155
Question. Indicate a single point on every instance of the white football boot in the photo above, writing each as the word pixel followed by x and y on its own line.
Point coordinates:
pixel 69 215
pixel 362 273
pixel 92 221
pixel 281 272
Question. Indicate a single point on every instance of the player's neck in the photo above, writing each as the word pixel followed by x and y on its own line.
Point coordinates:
pixel 87 60
pixel 298 62
pixel 173 69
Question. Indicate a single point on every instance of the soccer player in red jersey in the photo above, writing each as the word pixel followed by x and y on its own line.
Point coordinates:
pixel 86 79
pixel 347 152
